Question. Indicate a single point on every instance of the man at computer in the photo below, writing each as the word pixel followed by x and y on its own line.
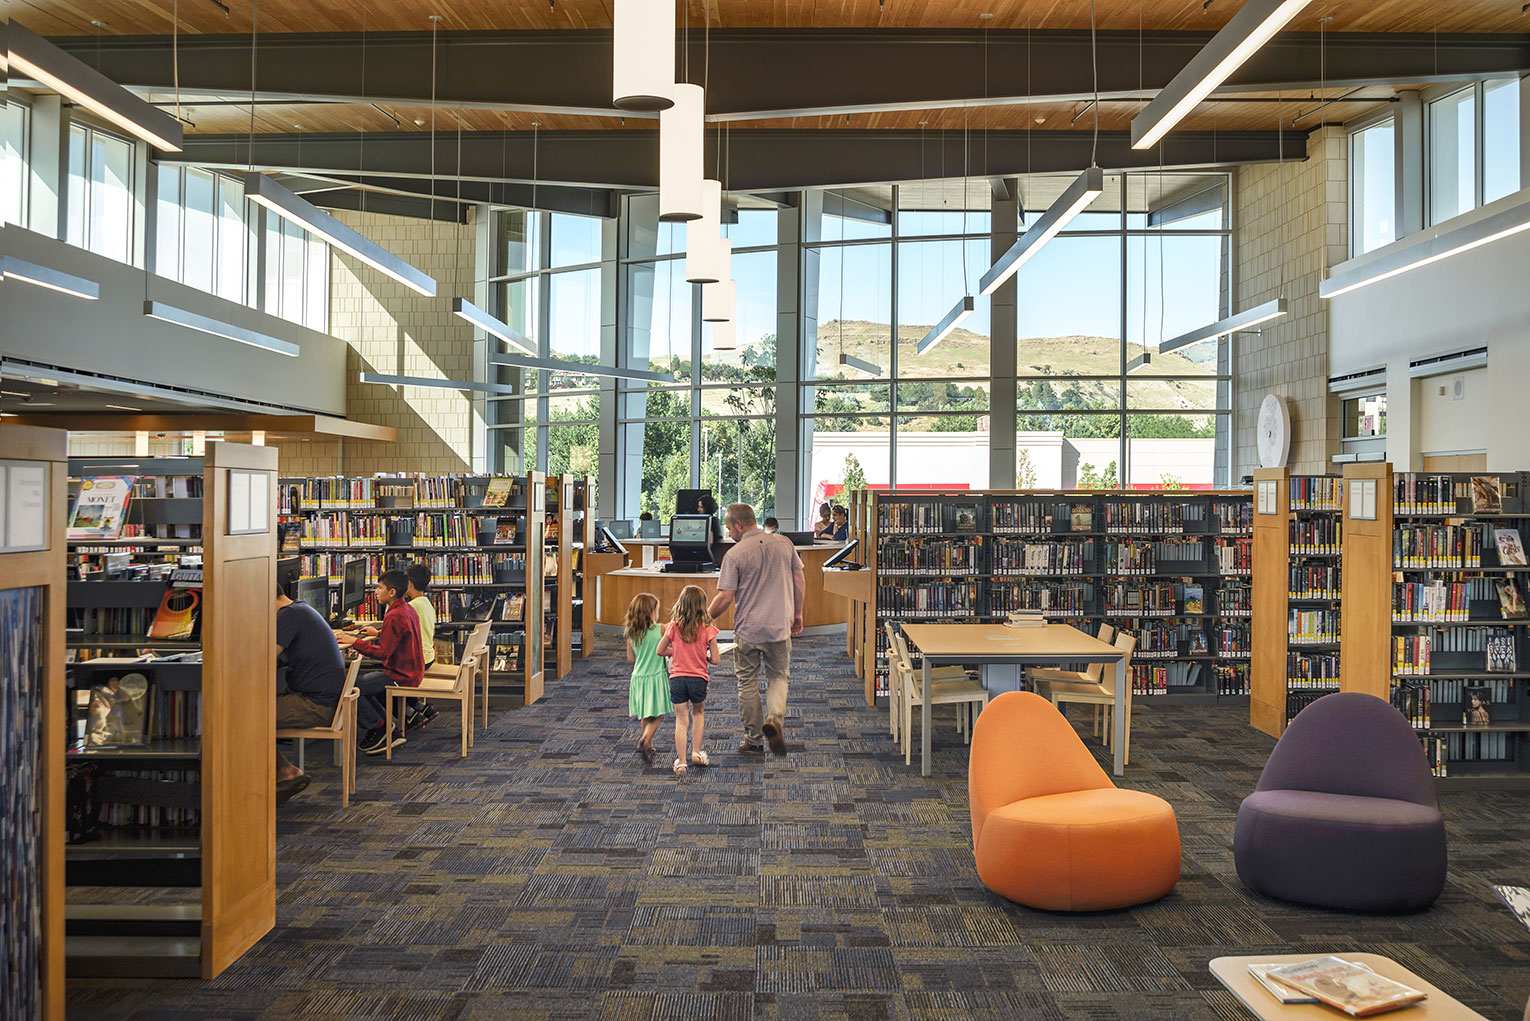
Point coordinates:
pixel 306 647
pixel 398 646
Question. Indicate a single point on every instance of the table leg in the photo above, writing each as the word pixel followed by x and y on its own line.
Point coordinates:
pixel 924 722
pixel 1119 743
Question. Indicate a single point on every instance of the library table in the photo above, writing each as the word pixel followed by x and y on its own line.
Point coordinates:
pixel 1232 972
pixel 991 644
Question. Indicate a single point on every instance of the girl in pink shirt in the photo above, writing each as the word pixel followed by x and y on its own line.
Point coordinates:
pixel 690 642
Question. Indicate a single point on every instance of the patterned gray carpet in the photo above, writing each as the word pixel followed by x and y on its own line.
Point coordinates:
pixel 552 874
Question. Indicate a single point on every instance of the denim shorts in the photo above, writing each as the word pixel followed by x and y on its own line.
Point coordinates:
pixel 684 689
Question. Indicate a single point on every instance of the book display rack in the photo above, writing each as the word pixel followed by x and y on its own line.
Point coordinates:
pixel 565 620
pixel 167 718
pixel 582 536
pixel 482 535
pixel 1298 543
pixel 1173 568
pixel 1450 646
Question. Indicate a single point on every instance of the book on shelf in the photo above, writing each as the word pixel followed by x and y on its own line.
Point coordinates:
pixel 1081 517
pixel 1356 990
pixel 498 492
pixel 180 608
pixel 1487 494
pixel 1198 646
pixel 1477 706
pixel 1511 552
pixel 1195 599
pixel 117 711
pixel 1025 618
pixel 514 607
pixel 964 517
pixel 1414 702
pixel 1501 657
pixel 1511 601
pixel 504 532
pixel 100 507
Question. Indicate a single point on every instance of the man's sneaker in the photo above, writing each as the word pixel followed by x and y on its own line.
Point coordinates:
pixel 421 716
pixel 375 742
pixel 750 748
pixel 772 731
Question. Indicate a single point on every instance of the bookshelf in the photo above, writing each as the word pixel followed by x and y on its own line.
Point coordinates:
pixel 1431 586
pixel 1298 539
pixel 186 819
pixel 33 472
pixel 485 557
pixel 558 574
pixel 584 541
pixel 1172 567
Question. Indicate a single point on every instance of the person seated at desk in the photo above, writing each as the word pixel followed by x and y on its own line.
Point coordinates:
pixel 841 531
pixel 306 647
pixel 397 645
pixel 772 525
pixel 824 528
pixel 708 506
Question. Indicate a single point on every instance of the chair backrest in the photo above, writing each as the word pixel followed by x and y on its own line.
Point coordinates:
pixel 351 673
pixel 1351 743
pixel 477 639
pixel 465 673
pixel 1022 747
pixel 1096 671
pixel 906 661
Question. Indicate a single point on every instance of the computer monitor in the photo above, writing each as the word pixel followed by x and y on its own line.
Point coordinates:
pixel 620 529
pixel 288 570
pixel 842 554
pixel 611 540
pixel 687 500
pixel 799 538
pixel 353 585
pixel 650 529
pixel 690 541
pixel 314 592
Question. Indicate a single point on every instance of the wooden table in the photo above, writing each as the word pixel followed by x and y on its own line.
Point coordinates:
pixel 1232 972
pixel 986 644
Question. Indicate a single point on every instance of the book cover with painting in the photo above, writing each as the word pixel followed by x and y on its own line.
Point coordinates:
pixel 1511 602
pixel 1195 599
pixel 180 609
pixel 498 492
pixel 1511 552
pixel 1487 494
pixel 1501 657
pixel 1081 515
pixel 100 507
pixel 964 517
pixel 1356 990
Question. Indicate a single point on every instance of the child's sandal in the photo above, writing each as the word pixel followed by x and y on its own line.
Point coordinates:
pixel 700 759
pixel 679 768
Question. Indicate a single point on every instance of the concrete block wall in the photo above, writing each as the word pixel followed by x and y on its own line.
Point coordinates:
pixel 1292 226
pixel 392 330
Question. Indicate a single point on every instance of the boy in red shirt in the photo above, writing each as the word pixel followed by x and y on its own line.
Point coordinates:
pixel 397 645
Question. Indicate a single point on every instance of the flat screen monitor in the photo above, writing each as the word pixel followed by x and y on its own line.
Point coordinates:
pixel 842 554
pixel 620 529
pixel 288 569
pixel 611 539
pixel 687 500
pixel 799 538
pixel 353 585
pixel 690 530
pixel 314 592
pixel 650 529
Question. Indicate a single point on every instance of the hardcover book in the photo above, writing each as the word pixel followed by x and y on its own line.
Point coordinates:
pixel 1476 706
pixel 498 492
pixel 117 711
pixel 1510 601
pixel 964 516
pixel 504 532
pixel 1195 599
pixel 1487 494
pixel 1082 517
pixel 100 508
pixel 1501 657
pixel 180 608
pixel 1511 552
pixel 1357 991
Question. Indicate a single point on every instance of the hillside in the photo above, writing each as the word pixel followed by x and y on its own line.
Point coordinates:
pixel 965 353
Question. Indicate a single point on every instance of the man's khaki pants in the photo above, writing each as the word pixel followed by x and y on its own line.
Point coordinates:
pixel 774 658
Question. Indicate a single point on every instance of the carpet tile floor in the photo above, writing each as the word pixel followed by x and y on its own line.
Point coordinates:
pixel 553 874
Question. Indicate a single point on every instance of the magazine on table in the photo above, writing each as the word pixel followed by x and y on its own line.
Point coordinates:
pixel 1355 989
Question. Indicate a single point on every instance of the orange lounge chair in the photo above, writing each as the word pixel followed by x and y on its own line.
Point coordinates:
pixel 1049 829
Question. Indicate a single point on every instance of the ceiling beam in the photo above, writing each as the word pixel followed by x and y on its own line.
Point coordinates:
pixel 793 70
pixel 762 160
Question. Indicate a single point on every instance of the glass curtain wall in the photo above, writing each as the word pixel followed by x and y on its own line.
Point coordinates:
pixel 100 192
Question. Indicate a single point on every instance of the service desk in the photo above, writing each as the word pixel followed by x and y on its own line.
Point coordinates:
pixel 615 589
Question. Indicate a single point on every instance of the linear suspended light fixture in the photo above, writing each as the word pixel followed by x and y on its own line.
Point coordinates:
pixel 1513 220
pixel 703 238
pixel 717 301
pixel 941 330
pixel 642 64
pixel 464 309
pixel 1142 361
pixel 46 276
pixel 581 368
pixel 218 328
pixel 439 384
pixel 1253 26
pixel 860 363
pixel 284 203
pixel 724 337
pixel 31 56
pixel 680 154
pixel 1242 321
pixel 1087 187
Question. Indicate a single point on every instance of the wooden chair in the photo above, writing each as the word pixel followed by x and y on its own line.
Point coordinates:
pixel 895 689
pixel 341 731
pixel 967 695
pixel 478 638
pixel 1102 694
pixel 459 689
pixel 1041 678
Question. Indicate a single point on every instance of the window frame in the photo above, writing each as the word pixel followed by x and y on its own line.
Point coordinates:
pixel 1430 97
pixel 89 130
pixel 1351 131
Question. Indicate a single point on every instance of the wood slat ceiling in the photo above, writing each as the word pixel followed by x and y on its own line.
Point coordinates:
pixel 154 17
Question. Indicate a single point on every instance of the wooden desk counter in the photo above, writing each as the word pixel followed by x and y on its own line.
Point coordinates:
pixel 617 587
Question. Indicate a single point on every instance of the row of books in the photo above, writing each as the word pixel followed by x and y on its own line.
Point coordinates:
pixel 1234 599
pixel 296 496
pixel 1311 581
pixel 1417 493
pixel 1231 679
pixel 1147 599
pixel 1313 627
pixel 1051 597
pixel 84 622
pixel 1414 654
pixel 1144 557
pixel 961 556
pixel 1232 640
pixel 908 517
pixel 1474 703
pixel 124 815
pixel 930 599
pixel 1488 746
pixel 1445 602
pixel 1233 515
pixel 1233 556
pixel 1013 556
pixel 1147 516
pixel 1316 535
pixel 1316 492
pixel 1422 546
pixel 1312 669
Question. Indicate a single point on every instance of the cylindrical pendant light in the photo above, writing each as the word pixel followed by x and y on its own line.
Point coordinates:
pixel 703 236
pixel 680 146
pixel 723 251
pixel 643 64
pixel 724 337
pixel 717 301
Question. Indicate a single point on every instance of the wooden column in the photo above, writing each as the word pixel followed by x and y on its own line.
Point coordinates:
pixel 1272 577
pixel 45 569
pixel 238 713
pixel 1366 642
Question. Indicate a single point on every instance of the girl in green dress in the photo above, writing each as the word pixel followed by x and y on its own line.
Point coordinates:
pixel 648 694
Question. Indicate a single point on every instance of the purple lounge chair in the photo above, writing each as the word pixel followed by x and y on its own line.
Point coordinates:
pixel 1345 813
